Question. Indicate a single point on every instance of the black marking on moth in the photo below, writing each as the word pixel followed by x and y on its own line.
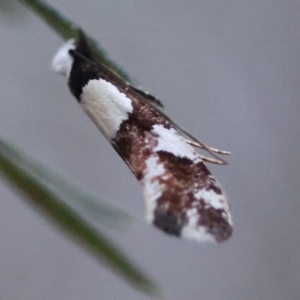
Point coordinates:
pixel 84 67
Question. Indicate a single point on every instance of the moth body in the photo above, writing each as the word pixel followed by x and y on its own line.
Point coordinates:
pixel 182 197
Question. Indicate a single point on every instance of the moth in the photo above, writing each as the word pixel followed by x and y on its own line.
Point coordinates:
pixel 182 197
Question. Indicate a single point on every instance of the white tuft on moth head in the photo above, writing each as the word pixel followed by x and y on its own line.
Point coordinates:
pixel 62 61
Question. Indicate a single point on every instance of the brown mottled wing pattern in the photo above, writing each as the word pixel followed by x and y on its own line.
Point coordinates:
pixel 183 199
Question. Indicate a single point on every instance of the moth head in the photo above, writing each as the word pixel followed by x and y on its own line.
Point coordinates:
pixel 63 60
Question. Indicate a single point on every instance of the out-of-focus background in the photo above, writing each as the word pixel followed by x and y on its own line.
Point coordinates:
pixel 228 72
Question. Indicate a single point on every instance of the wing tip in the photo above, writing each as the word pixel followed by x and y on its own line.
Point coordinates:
pixel 174 226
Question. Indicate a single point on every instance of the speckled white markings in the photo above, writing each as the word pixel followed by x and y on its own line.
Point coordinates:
pixel 193 231
pixel 169 141
pixel 62 61
pixel 212 198
pixel 105 105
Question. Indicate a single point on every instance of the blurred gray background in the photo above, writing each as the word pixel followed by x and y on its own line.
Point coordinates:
pixel 228 72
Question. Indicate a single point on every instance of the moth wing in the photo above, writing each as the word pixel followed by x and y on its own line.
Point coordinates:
pixel 150 98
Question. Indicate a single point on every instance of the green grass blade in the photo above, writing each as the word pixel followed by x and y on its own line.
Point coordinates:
pixel 59 23
pixel 103 211
pixel 70 222
pixel 67 29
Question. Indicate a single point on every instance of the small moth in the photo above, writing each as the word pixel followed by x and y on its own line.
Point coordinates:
pixel 183 198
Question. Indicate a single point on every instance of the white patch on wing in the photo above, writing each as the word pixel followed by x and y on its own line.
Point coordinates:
pixel 105 105
pixel 169 141
pixel 62 61
pixel 193 231
pixel 216 201
pixel 196 233
pixel 212 198
pixel 152 187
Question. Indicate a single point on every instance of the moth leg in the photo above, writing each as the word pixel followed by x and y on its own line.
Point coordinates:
pixel 211 160
pixel 215 150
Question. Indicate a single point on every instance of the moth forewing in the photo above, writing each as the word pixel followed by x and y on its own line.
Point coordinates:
pixel 183 198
